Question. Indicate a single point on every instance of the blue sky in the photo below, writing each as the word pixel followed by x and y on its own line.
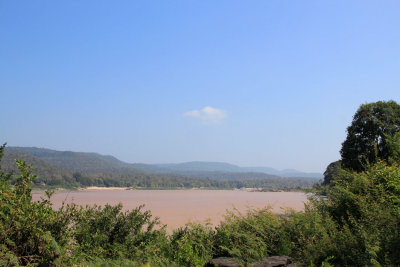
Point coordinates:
pixel 254 83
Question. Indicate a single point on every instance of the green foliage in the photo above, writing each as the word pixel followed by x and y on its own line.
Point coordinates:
pixel 325 263
pixel 192 245
pixel 366 141
pixel 332 172
pixel 30 232
pixel 356 224
pixel 393 145
pixel 109 233
pixel 366 206
pixel 314 236
pixel 251 237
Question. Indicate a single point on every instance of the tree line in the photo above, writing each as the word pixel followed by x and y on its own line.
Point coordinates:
pixel 55 176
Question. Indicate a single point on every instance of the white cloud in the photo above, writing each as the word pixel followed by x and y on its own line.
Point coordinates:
pixel 207 115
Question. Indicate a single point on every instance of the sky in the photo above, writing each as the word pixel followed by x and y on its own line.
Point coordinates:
pixel 252 83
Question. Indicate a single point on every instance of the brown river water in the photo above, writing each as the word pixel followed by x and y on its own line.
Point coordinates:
pixel 177 207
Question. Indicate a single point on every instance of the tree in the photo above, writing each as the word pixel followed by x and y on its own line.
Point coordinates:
pixel 393 143
pixel 367 136
pixel 332 172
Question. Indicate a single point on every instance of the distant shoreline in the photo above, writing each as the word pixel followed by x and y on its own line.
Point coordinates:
pixel 102 188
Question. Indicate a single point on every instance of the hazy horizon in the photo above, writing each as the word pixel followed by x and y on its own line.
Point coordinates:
pixel 260 83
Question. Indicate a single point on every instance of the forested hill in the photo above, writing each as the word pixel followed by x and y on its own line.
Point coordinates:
pixel 66 168
pixel 78 161
pixel 214 169
pixel 45 169
pixel 198 168
pixel 96 163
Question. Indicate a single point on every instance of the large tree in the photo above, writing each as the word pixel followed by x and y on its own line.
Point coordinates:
pixel 367 136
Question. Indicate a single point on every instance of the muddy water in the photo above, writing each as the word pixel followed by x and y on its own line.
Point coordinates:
pixel 177 207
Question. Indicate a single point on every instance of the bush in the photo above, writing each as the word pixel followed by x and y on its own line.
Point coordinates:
pixel 109 233
pixel 315 236
pixel 251 237
pixel 192 245
pixel 30 232
pixel 366 206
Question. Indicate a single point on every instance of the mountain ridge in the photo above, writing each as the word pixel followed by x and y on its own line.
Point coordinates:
pixel 91 162
pixel 228 167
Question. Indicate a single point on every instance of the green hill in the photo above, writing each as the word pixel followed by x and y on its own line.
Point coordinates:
pixel 67 168
pixel 48 173
pixel 78 161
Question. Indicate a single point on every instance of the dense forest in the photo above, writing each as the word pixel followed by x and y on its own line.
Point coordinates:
pixel 357 223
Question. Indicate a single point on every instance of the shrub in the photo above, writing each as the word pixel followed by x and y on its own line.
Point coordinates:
pixel 251 237
pixel 30 232
pixel 365 207
pixel 315 236
pixel 109 233
pixel 192 245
